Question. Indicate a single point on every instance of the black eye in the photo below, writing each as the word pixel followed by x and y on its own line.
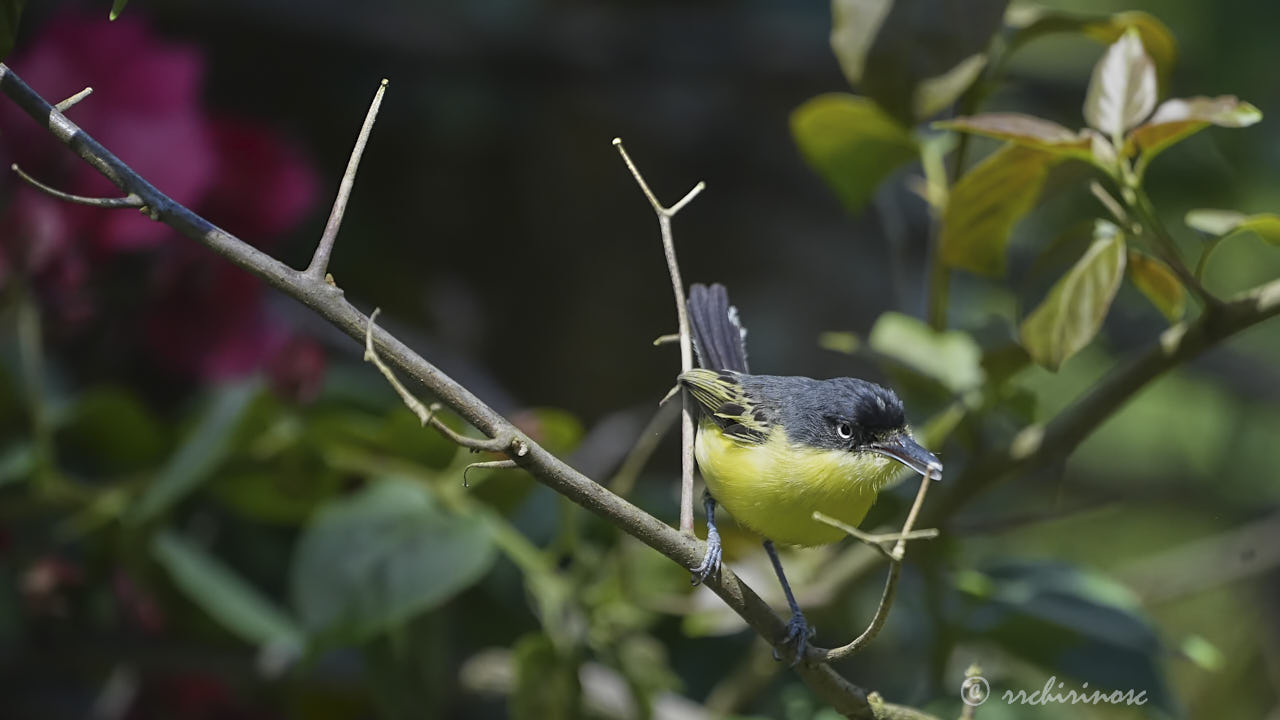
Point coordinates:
pixel 844 430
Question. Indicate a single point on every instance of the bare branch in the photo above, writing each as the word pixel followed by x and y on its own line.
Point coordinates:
pixel 876 541
pixel 890 583
pixel 70 102
pixel 682 316
pixel 320 261
pixel 504 443
pixel 128 201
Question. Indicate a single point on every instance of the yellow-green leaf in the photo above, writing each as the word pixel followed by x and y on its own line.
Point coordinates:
pixel 951 357
pixel 1176 119
pixel 854 24
pixel 1220 223
pixel 986 203
pixel 1122 91
pixel 1073 311
pixel 1159 283
pixel 852 144
pixel 921 40
pixel 1026 130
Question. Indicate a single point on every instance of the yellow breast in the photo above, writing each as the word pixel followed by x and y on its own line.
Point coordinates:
pixel 775 487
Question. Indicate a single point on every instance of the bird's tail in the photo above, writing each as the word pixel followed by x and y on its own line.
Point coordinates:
pixel 718 335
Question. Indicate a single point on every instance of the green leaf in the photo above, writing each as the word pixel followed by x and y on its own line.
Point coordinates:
pixel 952 357
pixel 1122 91
pixel 1025 130
pixel 986 203
pixel 277 495
pixel 854 24
pixel 116 7
pixel 933 95
pixel 851 143
pixel 10 14
pixel 1176 119
pixel 17 462
pixel 1030 23
pixel 838 341
pixel 223 594
pixel 1215 223
pixel 1077 304
pixel 1222 223
pixel 111 426
pixel 1159 283
pixel 952 32
pixel 546 683
pixel 199 454
pixel 373 561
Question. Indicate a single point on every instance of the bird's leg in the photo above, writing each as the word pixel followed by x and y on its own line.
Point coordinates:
pixel 711 560
pixel 798 630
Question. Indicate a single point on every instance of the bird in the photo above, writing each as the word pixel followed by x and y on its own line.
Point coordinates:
pixel 773 450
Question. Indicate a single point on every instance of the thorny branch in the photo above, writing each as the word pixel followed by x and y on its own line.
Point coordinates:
pixel 682 317
pixel 327 300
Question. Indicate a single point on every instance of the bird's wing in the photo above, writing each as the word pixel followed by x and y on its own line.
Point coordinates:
pixel 723 399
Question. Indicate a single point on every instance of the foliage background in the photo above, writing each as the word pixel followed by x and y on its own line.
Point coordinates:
pixel 496 228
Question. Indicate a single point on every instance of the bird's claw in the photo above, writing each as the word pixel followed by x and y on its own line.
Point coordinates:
pixel 710 564
pixel 798 635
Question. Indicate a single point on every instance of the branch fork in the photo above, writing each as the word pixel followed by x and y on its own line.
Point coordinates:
pixel 683 337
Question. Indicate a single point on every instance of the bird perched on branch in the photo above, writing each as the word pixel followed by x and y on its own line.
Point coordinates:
pixel 775 449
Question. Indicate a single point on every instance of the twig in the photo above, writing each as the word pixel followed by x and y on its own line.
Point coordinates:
pixel 128 201
pixel 70 102
pixel 666 339
pixel 320 261
pixel 890 583
pixel 487 465
pixel 875 541
pixel 686 342
pixel 503 443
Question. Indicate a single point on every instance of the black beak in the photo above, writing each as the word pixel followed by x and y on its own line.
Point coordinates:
pixel 910 453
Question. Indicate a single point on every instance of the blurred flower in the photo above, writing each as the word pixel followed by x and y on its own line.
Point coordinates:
pixel 297 370
pixel 44 584
pixel 203 318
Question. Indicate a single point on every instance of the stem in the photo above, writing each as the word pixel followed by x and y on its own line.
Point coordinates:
pixel 686 339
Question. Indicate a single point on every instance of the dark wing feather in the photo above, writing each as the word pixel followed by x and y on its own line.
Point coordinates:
pixel 717 334
pixel 722 398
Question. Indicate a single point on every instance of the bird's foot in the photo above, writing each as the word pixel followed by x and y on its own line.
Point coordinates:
pixel 798 635
pixel 710 564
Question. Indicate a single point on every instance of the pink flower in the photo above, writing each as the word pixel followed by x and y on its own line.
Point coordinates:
pixel 145 108
pixel 205 318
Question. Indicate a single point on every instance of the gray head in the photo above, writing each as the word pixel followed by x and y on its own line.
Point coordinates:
pixel 844 414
